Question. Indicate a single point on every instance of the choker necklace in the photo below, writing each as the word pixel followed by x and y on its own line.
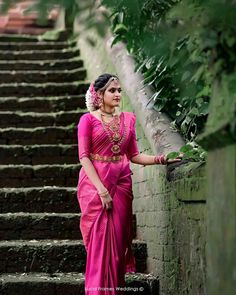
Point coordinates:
pixel 104 113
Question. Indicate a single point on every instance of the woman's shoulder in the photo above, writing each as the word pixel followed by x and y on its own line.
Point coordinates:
pixel 86 117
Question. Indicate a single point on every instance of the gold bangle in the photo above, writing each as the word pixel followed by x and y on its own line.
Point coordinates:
pixel 103 194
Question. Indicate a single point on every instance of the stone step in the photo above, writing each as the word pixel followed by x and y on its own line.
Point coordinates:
pixel 54 256
pixel 16 22
pixel 32 119
pixel 42 76
pixel 69 284
pixel 41 45
pixel 45 89
pixel 39 54
pixel 18 38
pixel 38 154
pixel 46 65
pixel 39 135
pixel 26 23
pixel 12 29
pixel 39 175
pixel 39 199
pixel 63 36
pixel 27 226
pixel 43 104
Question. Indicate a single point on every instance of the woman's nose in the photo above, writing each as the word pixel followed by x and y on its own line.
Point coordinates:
pixel 117 93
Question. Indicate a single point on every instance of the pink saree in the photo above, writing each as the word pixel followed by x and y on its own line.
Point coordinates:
pixel 107 234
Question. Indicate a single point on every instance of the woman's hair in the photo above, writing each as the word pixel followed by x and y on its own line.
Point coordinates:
pixel 102 80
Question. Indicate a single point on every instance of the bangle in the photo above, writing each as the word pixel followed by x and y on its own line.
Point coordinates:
pixel 103 194
pixel 160 160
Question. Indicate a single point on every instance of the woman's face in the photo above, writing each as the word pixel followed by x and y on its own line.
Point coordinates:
pixel 112 95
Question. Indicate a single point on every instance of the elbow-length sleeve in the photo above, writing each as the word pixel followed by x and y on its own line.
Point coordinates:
pixel 132 149
pixel 84 132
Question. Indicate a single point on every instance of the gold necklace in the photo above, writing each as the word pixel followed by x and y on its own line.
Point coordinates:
pixel 104 113
pixel 113 131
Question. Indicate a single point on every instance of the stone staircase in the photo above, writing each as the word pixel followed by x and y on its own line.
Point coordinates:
pixel 42 87
pixel 19 21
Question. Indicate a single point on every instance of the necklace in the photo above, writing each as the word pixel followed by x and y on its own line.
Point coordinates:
pixel 112 129
pixel 104 113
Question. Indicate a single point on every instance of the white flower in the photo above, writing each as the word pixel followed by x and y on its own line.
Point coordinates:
pixel 88 101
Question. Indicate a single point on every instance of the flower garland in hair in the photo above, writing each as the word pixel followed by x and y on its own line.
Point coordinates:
pixel 91 98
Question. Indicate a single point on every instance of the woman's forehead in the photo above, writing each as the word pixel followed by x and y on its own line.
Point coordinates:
pixel 114 83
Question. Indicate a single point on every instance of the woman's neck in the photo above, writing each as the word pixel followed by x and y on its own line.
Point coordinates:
pixel 108 111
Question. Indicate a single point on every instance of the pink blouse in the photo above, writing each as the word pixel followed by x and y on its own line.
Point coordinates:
pixel 92 137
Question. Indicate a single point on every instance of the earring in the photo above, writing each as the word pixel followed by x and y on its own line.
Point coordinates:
pixel 101 102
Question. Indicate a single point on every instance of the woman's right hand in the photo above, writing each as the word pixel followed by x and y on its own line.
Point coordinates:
pixel 106 200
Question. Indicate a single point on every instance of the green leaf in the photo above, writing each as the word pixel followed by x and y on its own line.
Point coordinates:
pixel 120 29
pixel 172 155
pixel 186 148
pixel 50 35
pixel 117 39
pixel 178 113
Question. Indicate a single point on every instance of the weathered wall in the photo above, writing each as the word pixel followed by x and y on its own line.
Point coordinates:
pixel 221 222
pixel 219 138
pixel 169 205
pixel 170 208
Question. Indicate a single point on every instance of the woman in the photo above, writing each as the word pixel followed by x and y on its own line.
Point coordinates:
pixel 107 143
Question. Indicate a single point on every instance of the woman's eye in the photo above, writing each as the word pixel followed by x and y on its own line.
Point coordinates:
pixel 113 90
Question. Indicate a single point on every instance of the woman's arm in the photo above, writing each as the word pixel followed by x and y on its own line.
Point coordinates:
pixel 94 178
pixel 92 174
pixel 136 157
pixel 84 145
pixel 143 159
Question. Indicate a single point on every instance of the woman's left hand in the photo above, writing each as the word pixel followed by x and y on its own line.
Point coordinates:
pixel 177 159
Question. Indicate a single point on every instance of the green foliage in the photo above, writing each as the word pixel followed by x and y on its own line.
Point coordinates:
pixel 181 47
pixel 191 151
pixel 50 35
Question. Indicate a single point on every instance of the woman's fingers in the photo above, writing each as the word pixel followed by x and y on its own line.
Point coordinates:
pixel 180 156
pixel 109 206
pixel 177 159
pixel 107 202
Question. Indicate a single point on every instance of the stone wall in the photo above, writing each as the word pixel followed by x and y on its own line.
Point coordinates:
pixel 170 209
pixel 169 203
pixel 221 221
pixel 219 139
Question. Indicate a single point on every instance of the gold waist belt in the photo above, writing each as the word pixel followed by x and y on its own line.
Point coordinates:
pixel 105 158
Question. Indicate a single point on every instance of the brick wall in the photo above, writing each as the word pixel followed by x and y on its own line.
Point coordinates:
pixel 170 207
